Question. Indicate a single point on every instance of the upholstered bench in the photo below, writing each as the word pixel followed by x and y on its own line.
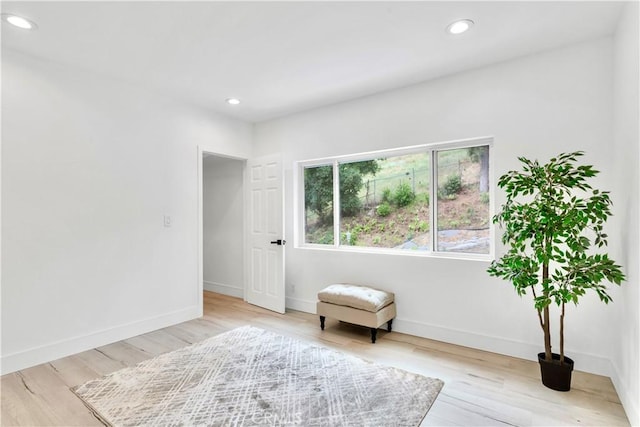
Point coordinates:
pixel 359 305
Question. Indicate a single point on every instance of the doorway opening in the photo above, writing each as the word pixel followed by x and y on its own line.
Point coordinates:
pixel 223 241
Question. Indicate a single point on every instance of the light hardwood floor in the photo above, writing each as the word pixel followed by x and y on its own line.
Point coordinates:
pixel 480 389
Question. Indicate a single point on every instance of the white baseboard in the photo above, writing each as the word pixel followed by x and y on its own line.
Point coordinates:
pixel 300 305
pixel 585 362
pixel 52 351
pixel 629 403
pixel 224 289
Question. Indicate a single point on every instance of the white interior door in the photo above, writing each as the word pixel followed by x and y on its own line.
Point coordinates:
pixel 266 234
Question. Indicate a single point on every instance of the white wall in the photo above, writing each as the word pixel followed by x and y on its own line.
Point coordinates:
pixel 535 106
pixel 223 213
pixel 89 168
pixel 626 351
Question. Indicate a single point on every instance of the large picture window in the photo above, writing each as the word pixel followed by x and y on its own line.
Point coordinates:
pixel 432 198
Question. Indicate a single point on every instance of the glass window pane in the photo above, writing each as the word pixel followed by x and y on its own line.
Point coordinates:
pixel 318 205
pixel 384 202
pixel 463 200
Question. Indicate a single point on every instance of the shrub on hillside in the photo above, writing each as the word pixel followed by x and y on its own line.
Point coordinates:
pixel 452 185
pixel 383 210
pixel 386 195
pixel 403 195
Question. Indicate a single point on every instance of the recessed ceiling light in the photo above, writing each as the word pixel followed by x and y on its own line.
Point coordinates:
pixel 19 21
pixel 233 101
pixel 459 27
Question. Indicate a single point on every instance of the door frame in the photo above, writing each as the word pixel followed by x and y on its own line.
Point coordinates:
pixel 200 222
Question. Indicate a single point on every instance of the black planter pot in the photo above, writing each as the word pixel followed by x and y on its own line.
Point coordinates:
pixel 554 375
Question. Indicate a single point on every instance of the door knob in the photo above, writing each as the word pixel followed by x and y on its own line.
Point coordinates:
pixel 279 242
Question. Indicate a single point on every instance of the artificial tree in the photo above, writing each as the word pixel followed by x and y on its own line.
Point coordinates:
pixel 552 220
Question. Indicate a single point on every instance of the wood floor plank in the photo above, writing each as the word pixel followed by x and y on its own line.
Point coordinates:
pixel 20 405
pixel 98 361
pixel 73 371
pixel 48 400
pixel 481 388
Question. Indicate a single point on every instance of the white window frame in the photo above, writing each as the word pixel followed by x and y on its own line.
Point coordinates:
pixel 431 148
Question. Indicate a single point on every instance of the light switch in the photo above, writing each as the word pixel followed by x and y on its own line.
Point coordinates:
pixel 167 221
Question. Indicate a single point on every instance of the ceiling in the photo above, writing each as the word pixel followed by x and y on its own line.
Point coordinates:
pixel 283 57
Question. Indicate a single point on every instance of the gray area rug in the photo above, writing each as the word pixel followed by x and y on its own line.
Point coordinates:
pixel 251 377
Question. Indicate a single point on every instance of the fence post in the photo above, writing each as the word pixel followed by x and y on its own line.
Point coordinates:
pixel 366 196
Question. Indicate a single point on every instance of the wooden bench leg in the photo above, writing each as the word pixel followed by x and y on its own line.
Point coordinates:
pixel 389 325
pixel 322 322
pixel 374 333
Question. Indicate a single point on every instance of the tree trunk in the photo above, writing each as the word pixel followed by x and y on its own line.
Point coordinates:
pixel 545 328
pixel 547 336
pixel 562 335
pixel 484 170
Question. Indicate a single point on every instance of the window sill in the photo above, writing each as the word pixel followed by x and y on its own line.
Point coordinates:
pixel 397 252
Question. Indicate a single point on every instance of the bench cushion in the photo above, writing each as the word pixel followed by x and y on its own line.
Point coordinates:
pixel 360 297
